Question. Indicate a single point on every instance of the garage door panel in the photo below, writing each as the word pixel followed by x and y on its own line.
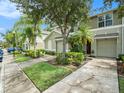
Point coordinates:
pixel 59 46
pixel 106 47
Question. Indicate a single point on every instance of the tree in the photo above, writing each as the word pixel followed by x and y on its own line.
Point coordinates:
pixel 66 14
pixel 80 38
pixel 9 37
pixel 120 5
pixel 33 10
pixel 25 26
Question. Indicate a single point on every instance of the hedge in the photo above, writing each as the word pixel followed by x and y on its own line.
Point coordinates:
pixel 32 54
pixel 48 52
pixel 75 58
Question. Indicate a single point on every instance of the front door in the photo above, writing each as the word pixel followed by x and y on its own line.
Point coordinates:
pixel 88 48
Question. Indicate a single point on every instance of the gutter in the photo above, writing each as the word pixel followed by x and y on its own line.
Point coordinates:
pixel 122 35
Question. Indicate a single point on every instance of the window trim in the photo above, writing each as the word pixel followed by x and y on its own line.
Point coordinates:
pixel 104 15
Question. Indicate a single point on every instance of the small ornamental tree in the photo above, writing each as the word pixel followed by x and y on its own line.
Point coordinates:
pixel 79 39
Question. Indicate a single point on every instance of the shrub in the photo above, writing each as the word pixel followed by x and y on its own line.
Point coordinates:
pixel 32 54
pixel 121 57
pixel 39 53
pixel 16 52
pixel 48 52
pixel 75 58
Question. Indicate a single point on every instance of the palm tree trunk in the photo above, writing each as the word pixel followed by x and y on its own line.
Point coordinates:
pixel 34 42
pixel 29 45
pixel 35 32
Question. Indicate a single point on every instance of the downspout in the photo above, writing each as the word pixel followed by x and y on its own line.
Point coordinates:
pixel 123 35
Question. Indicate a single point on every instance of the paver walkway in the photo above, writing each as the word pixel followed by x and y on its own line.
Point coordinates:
pixel 15 81
pixel 97 76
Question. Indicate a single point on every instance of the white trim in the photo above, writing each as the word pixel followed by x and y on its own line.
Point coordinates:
pixel 110 27
pixel 59 39
pixel 104 20
pixel 50 49
pixel 122 36
pixel 106 37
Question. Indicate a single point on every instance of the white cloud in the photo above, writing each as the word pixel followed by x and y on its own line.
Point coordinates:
pixel 1 29
pixel 8 9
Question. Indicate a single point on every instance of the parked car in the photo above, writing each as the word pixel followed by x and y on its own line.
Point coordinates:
pixel 12 49
pixel 1 55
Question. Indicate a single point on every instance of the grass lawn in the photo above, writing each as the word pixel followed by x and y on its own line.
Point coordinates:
pixel 21 58
pixel 44 75
pixel 121 84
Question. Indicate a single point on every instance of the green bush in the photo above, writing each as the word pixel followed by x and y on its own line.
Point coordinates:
pixel 16 52
pixel 48 52
pixel 121 57
pixel 75 58
pixel 34 54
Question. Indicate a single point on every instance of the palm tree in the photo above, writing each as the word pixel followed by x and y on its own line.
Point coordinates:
pixel 28 34
pixel 9 38
pixel 79 39
pixel 26 26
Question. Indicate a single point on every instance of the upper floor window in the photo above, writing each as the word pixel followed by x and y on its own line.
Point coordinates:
pixel 105 20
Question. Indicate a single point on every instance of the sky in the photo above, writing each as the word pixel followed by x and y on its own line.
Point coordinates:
pixel 9 15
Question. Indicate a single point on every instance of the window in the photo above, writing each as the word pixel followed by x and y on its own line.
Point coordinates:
pixel 105 20
pixel 108 19
pixel 101 21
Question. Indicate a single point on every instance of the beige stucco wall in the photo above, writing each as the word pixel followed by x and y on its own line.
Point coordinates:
pixel 53 42
pixel 116 19
pixel 93 23
pixel 57 44
pixel 39 43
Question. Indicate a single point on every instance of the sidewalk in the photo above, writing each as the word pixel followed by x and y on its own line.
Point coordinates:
pixel 46 58
pixel 97 76
pixel 15 81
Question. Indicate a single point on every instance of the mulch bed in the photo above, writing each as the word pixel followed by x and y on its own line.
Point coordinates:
pixel 120 68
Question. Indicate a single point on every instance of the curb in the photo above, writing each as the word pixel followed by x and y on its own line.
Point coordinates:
pixel 2 79
pixel 28 78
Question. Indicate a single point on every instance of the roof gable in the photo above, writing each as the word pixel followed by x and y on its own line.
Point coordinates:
pixel 54 31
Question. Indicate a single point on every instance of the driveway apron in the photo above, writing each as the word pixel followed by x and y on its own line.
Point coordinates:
pixel 97 76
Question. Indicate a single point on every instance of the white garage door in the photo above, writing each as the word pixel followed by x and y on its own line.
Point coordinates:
pixel 59 46
pixel 107 47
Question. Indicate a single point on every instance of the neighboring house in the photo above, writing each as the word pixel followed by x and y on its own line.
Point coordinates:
pixel 108 32
pixel 54 41
pixel 39 42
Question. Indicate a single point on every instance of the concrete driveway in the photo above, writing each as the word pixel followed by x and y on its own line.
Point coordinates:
pixel 97 76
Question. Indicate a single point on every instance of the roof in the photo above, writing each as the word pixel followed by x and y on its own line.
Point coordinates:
pixel 103 12
pixel 46 32
pixel 53 32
